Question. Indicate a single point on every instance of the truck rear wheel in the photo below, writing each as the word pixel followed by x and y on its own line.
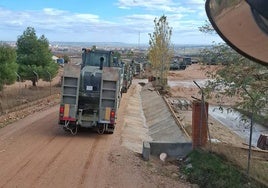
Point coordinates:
pixel 105 128
pixel 110 129
pixel 101 128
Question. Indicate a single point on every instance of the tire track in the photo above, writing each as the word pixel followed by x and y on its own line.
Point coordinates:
pixel 27 161
pixel 52 160
pixel 89 161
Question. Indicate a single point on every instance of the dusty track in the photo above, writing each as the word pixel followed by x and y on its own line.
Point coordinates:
pixel 36 152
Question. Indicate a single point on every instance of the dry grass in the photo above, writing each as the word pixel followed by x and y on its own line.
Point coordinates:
pixel 12 98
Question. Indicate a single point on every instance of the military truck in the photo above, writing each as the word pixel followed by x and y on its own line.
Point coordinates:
pixel 127 76
pixel 91 92
pixel 177 65
pixel 187 61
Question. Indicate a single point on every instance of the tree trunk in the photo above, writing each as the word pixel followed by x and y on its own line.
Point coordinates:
pixel 34 82
pixel 1 108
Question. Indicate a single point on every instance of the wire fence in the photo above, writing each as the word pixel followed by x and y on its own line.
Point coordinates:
pixel 23 93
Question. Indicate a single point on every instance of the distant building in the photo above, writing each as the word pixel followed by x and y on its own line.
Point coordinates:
pixel 55 58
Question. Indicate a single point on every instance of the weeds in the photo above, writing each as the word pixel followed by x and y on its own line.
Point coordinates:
pixel 210 170
pixel 10 100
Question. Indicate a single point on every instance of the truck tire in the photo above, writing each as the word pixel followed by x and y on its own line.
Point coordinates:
pixel 110 129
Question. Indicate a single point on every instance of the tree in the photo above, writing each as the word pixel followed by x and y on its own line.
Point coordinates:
pixel 66 58
pixel 160 50
pixel 34 57
pixel 238 77
pixel 117 54
pixel 8 65
pixel 219 54
pixel 243 78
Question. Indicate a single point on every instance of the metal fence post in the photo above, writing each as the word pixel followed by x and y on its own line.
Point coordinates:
pixel 49 82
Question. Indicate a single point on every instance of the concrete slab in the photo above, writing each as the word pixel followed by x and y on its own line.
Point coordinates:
pixel 161 124
pixel 172 149
pixel 149 127
pixel 135 130
pixel 146 151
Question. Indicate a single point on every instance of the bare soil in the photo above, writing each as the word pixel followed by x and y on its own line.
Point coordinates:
pixel 224 141
pixel 197 73
pixel 36 152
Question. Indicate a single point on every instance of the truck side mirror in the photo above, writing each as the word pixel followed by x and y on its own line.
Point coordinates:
pixel 243 25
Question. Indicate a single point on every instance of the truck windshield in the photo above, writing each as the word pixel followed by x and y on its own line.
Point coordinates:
pixel 187 59
pixel 94 59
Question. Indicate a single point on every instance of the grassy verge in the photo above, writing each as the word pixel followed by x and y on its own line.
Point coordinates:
pixel 210 170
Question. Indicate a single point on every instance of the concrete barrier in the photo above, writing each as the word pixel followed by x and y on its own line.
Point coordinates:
pixel 173 150
pixel 146 151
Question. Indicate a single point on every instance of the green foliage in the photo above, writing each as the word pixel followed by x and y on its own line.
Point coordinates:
pixel 219 54
pixel 66 58
pixel 117 54
pixel 8 65
pixel 94 47
pixel 239 77
pixel 207 28
pixel 209 170
pixel 34 57
pixel 130 54
pixel 161 51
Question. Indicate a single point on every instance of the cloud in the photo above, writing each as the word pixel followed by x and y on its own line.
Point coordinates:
pixel 60 25
pixel 176 11
pixel 153 5
pixel 48 19
pixel 53 12
pixel 139 22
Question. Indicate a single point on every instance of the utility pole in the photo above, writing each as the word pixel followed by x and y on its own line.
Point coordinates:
pixel 139 40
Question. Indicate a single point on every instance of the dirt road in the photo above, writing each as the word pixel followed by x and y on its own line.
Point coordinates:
pixel 36 152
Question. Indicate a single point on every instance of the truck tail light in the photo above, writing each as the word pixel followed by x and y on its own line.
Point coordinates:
pixel 112 116
pixel 61 111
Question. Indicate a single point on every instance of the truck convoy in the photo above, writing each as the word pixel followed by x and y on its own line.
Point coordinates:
pixel 91 92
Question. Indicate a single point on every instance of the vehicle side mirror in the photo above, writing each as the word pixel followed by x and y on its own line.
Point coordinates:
pixel 243 25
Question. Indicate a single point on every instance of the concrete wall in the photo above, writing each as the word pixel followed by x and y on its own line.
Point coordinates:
pixel 172 149
pixel 159 119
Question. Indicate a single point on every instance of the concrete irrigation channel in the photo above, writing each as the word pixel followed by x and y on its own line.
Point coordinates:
pixel 150 127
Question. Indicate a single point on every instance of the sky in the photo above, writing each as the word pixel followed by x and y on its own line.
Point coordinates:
pixel 127 21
